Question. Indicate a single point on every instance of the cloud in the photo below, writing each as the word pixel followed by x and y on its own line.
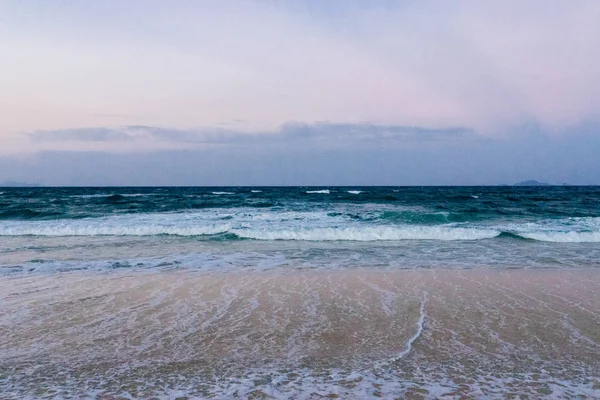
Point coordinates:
pixel 80 135
pixel 321 154
pixel 485 65
pixel 324 134
pixel 394 92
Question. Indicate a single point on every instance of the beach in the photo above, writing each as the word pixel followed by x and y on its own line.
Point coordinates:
pixel 355 333
pixel 300 293
pixel 299 200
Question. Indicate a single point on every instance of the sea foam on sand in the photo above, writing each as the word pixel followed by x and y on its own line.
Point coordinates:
pixel 351 333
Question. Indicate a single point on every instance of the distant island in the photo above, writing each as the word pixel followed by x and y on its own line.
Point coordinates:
pixel 531 183
pixel 17 184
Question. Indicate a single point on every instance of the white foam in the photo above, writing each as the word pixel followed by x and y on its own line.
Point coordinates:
pixel 291 225
pixel 184 224
pixel 366 234
pixel 222 193
pixel 417 334
pixel 563 237
pixel 113 230
pixel 355 191
pixel 304 384
pixel 331 224
pixel 256 191
pixel 326 191
pixel 565 230
pixel 90 196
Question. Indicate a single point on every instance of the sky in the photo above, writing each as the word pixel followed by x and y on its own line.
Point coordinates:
pixel 306 92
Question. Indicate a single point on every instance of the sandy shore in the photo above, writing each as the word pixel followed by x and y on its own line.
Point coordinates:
pixel 468 327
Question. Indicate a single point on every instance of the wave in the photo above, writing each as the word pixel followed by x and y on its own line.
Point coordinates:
pixel 368 234
pixel 254 221
pixel 114 230
pixel 256 191
pixel 115 198
pixel 562 237
pixel 260 226
pixel 222 193
pixel 108 196
pixel 326 191
pixel 351 233
pixel 565 230
pixel 355 191
pixel 139 194
pixel 26 214
pixel 89 196
pixel 419 217
pixel 510 235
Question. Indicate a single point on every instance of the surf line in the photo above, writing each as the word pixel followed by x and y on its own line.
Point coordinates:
pixel 420 326
pixel 417 334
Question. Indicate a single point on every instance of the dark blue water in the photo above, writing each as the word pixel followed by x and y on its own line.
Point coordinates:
pixel 456 204
pixel 47 229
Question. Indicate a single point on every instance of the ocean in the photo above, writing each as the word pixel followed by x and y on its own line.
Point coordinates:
pixel 300 292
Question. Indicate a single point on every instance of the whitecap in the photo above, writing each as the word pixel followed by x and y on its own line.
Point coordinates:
pixel 326 191
pixel 563 237
pixel 93 196
pixel 355 191
pixel 90 196
pixel 112 230
pixel 367 234
pixel 565 230
pixel 222 193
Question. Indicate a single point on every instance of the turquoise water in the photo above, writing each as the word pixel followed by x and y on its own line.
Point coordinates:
pixel 57 229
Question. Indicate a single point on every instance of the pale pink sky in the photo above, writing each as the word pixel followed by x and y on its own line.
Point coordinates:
pixel 254 65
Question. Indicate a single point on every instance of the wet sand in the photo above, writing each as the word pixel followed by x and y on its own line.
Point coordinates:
pixel 302 333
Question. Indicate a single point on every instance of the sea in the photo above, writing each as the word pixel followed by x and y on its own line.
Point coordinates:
pixel 300 292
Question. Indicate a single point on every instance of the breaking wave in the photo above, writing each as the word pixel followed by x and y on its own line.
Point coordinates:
pixel 113 230
pixel 563 237
pixel 368 234
pixel 360 223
